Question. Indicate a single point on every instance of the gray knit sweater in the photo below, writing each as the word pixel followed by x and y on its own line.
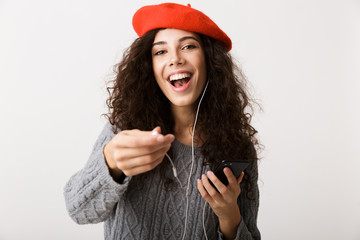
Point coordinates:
pixel 141 207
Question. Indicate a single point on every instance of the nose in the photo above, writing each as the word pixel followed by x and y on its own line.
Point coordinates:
pixel 175 58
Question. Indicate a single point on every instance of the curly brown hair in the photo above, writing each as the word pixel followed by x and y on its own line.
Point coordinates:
pixel 136 102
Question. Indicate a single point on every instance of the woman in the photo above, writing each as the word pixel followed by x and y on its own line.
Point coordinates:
pixel 176 109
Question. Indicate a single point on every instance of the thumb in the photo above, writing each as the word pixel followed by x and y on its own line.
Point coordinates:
pixel 240 178
pixel 156 130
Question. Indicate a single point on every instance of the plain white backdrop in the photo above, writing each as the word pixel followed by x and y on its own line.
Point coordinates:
pixel 301 57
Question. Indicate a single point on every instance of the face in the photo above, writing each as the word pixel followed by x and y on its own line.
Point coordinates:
pixel 179 66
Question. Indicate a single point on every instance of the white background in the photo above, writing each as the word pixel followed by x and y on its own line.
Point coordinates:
pixel 301 57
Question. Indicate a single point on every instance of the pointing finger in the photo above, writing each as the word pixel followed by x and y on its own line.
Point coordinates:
pixel 136 138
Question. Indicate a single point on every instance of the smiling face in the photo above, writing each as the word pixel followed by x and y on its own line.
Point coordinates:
pixel 179 65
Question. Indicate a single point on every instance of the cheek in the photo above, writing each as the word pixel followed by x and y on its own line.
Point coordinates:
pixel 199 62
pixel 202 71
pixel 158 76
pixel 157 69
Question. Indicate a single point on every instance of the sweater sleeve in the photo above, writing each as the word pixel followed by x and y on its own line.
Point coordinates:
pixel 91 194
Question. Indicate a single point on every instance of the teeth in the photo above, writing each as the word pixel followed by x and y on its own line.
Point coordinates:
pixel 179 76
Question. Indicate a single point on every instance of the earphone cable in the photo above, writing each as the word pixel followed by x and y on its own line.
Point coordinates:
pixel 203 221
pixel 174 169
pixel 192 161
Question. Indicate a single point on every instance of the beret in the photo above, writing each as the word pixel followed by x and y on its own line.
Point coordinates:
pixel 172 15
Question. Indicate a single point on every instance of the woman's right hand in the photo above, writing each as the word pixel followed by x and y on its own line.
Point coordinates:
pixel 132 152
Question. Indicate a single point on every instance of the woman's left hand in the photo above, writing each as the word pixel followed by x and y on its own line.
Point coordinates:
pixel 224 201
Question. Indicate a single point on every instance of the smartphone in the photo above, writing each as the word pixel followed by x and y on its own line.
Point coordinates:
pixel 236 166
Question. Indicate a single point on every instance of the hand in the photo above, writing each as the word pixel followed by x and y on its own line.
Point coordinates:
pixel 224 201
pixel 132 152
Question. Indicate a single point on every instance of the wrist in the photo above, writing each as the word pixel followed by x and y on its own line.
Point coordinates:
pixel 114 171
pixel 109 161
pixel 228 226
pixel 232 223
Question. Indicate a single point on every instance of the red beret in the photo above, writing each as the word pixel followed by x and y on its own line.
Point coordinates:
pixel 172 15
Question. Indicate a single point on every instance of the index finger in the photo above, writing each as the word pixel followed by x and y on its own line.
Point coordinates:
pixel 138 138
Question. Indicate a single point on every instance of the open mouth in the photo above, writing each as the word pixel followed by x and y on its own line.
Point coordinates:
pixel 179 80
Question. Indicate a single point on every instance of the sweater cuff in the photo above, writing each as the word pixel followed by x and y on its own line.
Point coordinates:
pixel 104 172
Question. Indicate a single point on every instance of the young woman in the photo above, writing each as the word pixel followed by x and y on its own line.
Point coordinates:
pixel 176 109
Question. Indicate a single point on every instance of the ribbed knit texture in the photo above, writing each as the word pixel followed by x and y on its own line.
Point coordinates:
pixel 141 208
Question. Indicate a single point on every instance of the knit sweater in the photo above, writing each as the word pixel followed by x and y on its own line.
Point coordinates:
pixel 141 207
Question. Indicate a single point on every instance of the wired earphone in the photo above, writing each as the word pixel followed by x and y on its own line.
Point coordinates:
pixel 191 169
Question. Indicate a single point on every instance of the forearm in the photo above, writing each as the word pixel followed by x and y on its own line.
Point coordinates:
pixel 229 227
pixel 91 194
pixel 247 227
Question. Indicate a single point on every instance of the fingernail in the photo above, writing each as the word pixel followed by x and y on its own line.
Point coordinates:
pixel 203 176
pixel 172 138
pixel 154 133
pixel 160 138
pixel 210 173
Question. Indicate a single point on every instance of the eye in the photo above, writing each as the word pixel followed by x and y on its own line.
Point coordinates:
pixel 159 52
pixel 189 46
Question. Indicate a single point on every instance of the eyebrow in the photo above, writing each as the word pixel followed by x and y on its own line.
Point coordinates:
pixel 180 40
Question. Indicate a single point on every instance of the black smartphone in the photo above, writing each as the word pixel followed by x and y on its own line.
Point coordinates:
pixel 236 166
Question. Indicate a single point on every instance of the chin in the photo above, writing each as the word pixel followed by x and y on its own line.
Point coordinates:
pixel 182 102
